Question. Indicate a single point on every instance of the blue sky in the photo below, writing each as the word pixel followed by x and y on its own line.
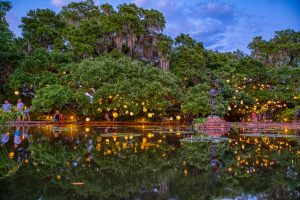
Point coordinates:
pixel 223 25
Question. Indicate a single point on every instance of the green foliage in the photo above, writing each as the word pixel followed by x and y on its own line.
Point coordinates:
pixel 119 84
pixel 8 116
pixel 200 120
pixel 52 97
pixel 283 49
pixel 69 50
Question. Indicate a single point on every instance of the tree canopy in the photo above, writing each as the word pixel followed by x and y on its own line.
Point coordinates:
pixel 122 57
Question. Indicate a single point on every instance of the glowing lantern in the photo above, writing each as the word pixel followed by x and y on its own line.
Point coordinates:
pixel 126 112
pixel 229 108
pixel 58 177
pixel 230 169
pixel 115 114
pixel 99 110
pixel 72 117
pixel 131 114
pixel 115 138
pixel 150 115
pixel 125 106
pixel 178 117
pixel 144 109
pixel 87 129
pixel 87 119
pixel 185 172
pixel 17 93
pixel 227 80
pixel 11 155
pixel 150 135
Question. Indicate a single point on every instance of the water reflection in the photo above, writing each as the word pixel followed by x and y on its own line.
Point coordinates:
pixel 76 162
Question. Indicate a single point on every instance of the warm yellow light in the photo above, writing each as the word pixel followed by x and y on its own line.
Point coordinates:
pixel 185 172
pixel 178 117
pixel 87 129
pixel 131 114
pixel 227 80
pixel 150 115
pixel 115 114
pixel 71 117
pixel 11 154
pixel 99 110
pixel 150 135
pixel 17 92
pixel 87 119
pixel 145 109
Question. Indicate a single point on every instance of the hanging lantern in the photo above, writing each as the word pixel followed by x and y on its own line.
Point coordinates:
pixel 126 112
pixel 144 109
pixel 87 129
pixel 17 92
pixel 178 117
pixel 87 119
pixel 131 114
pixel 11 155
pixel 115 114
pixel 229 108
pixel 150 115
pixel 99 110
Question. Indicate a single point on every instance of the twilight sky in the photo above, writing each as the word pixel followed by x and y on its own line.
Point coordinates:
pixel 223 25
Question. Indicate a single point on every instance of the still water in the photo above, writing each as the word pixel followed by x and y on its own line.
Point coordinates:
pixel 148 163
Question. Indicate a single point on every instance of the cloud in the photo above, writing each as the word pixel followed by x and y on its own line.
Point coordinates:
pixel 58 3
pixel 140 2
pixel 205 22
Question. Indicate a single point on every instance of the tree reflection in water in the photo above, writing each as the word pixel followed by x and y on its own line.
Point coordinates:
pixel 81 163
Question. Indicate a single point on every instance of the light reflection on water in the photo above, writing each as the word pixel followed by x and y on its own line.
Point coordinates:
pixel 144 162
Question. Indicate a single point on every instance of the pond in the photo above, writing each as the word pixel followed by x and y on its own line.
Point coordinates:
pixel 148 162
